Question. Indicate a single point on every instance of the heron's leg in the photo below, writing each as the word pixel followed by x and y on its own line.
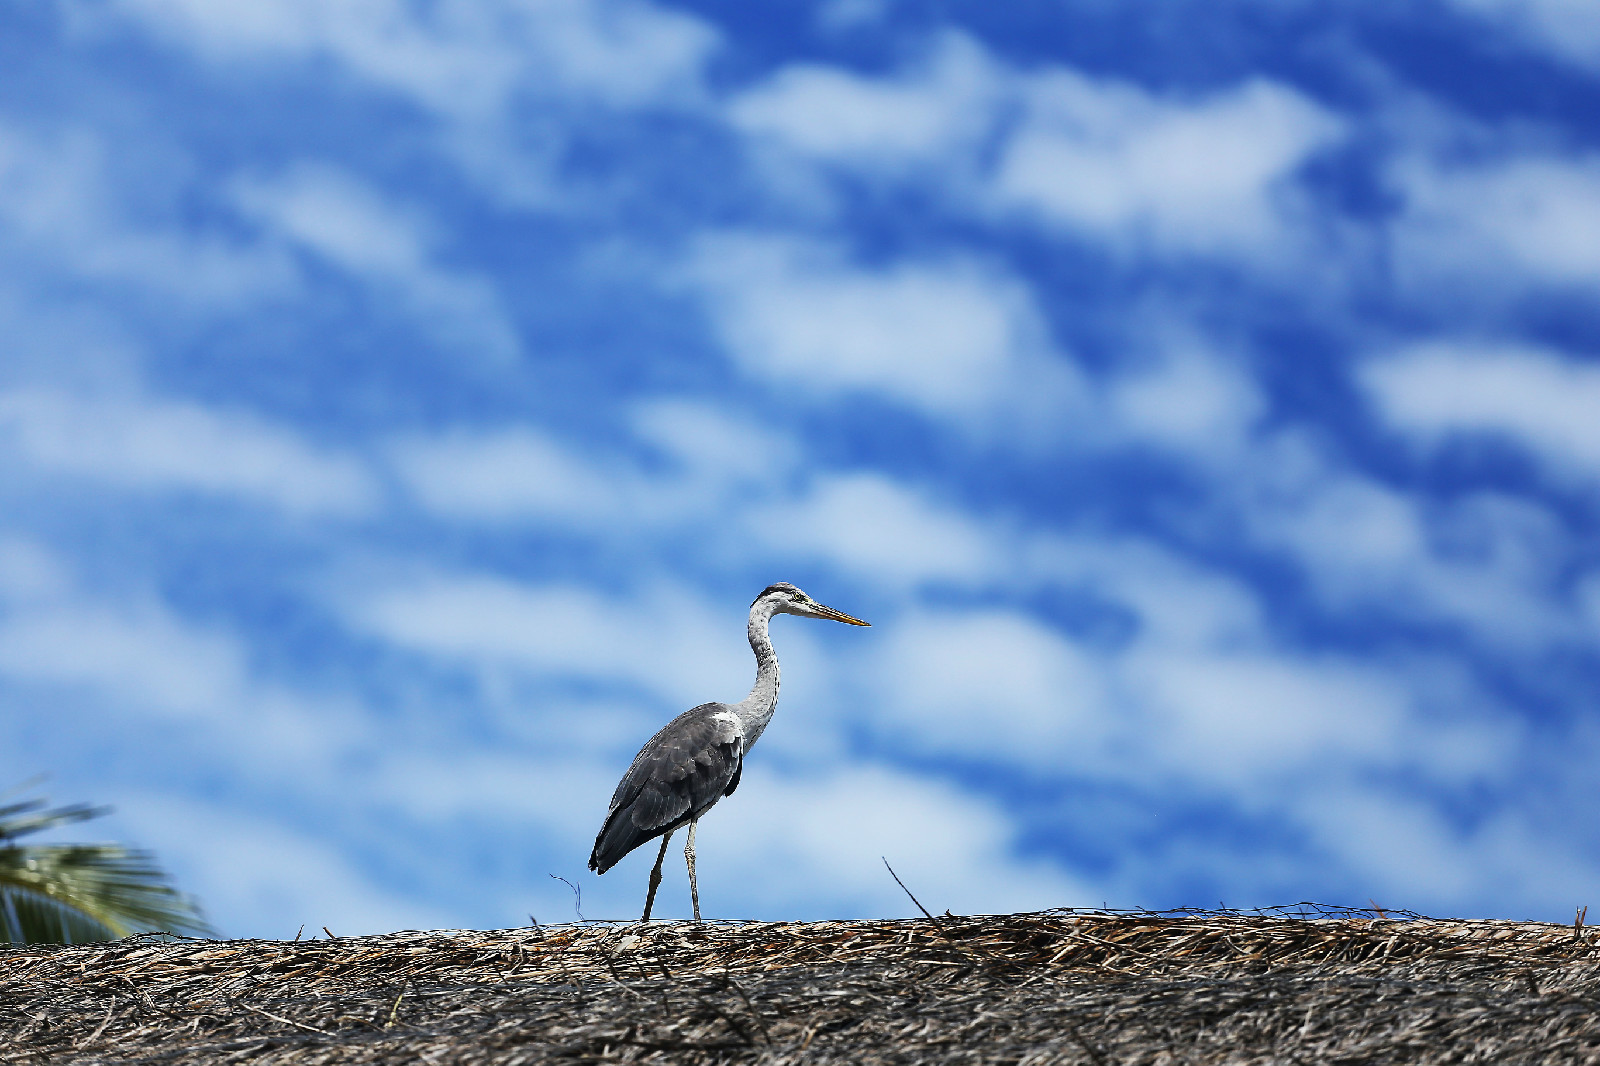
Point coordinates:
pixel 688 857
pixel 655 876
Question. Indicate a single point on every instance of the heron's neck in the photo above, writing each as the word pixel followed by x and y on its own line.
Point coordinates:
pixel 756 709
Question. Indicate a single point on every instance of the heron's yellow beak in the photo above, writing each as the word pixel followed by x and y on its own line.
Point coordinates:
pixel 838 616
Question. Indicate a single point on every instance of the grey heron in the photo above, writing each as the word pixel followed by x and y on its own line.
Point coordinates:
pixel 697 758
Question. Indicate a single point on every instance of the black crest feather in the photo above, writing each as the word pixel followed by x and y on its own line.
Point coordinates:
pixel 781 586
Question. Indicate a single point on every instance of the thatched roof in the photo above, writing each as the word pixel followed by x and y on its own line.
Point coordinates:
pixel 1051 987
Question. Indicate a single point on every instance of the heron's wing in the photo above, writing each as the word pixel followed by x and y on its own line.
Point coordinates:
pixel 680 773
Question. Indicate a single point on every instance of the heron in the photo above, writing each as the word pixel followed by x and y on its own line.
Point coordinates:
pixel 697 758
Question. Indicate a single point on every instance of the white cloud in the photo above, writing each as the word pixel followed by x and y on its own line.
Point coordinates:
pixel 620 52
pixel 1568 29
pixel 29 573
pixel 938 110
pixel 711 444
pixel 138 655
pixel 466 59
pixel 556 787
pixel 127 650
pixel 1587 596
pixel 1535 399
pixel 992 685
pixel 951 338
pixel 839 15
pixel 1116 161
pixel 1198 692
pixel 517 473
pixel 565 631
pixel 62 211
pixel 1264 719
pixel 495 74
pixel 157 445
pixel 1402 848
pixel 1098 157
pixel 1190 401
pixel 260 876
pixel 356 227
pixel 709 461
pixel 880 530
pixel 1485 561
pixel 1516 219
pixel 1175 602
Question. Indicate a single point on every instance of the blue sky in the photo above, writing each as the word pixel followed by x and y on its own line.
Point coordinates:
pixel 400 403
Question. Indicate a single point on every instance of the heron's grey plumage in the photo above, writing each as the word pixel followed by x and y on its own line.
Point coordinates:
pixel 697 758
pixel 679 773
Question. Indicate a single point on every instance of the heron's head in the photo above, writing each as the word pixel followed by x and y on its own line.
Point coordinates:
pixel 787 599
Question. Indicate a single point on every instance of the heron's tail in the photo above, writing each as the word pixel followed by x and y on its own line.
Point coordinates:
pixel 616 838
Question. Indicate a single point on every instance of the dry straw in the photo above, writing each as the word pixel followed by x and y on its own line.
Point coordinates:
pixel 1307 985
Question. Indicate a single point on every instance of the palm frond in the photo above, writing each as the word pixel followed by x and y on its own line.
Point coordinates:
pixel 28 918
pixel 19 819
pixel 73 893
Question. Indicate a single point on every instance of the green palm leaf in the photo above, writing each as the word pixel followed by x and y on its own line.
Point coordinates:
pixel 74 893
